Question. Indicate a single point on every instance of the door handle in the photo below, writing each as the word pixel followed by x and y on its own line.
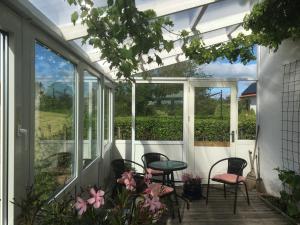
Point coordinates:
pixel 232 136
pixel 21 132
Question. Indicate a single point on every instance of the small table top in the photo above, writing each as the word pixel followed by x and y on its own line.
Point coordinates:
pixel 169 165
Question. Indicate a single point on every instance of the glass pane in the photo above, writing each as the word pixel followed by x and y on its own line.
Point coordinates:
pixel 106 115
pixel 181 69
pixel 90 125
pixel 159 112
pixel 247 110
pixel 212 116
pixel 54 121
pixel 122 123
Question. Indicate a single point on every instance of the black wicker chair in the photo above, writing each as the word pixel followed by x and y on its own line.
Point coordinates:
pixel 234 176
pixel 153 157
pixel 119 166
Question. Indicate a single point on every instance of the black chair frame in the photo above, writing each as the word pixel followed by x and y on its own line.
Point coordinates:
pixel 235 166
pixel 118 174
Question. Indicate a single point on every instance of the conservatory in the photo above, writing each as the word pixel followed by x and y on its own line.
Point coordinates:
pixel 119 112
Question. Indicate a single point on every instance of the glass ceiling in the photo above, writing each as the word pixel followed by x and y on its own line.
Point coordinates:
pixel 216 20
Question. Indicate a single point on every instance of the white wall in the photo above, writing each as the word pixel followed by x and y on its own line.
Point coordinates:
pixel 253 103
pixel 203 157
pixel 270 78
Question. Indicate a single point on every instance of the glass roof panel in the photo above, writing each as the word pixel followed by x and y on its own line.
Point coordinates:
pixel 85 47
pixel 59 11
pixel 215 24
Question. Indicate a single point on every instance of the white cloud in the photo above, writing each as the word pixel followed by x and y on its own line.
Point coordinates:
pixel 227 70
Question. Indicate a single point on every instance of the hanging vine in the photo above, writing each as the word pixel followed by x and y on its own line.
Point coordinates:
pixel 123 34
pixel 270 21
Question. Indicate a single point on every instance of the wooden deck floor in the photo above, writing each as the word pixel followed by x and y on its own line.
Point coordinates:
pixel 220 211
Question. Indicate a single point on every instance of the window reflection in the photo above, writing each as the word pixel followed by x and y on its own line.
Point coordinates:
pixel 90 115
pixel 54 121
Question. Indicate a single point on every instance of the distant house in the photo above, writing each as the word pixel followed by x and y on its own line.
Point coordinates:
pixel 249 94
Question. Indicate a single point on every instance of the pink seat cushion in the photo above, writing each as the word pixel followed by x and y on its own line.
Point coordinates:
pixel 228 178
pixel 155 172
pixel 159 189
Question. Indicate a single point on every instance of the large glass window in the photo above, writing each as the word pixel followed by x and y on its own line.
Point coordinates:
pixel 90 115
pixel 159 112
pixel 247 110
pixel 54 149
pixel 122 129
pixel 107 111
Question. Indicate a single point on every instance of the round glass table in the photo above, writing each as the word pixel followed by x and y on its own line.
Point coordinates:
pixel 168 166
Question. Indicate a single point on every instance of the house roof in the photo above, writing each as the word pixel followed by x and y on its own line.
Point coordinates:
pixel 249 91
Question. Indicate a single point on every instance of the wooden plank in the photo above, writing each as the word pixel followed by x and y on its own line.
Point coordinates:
pixel 219 211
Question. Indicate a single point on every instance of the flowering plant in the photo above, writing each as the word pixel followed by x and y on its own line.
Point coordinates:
pixel 136 203
pixel 188 178
pixel 131 205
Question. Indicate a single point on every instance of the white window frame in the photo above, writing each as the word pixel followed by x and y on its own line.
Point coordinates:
pixel 99 123
pixel 110 87
pixel 4 126
pixel 55 48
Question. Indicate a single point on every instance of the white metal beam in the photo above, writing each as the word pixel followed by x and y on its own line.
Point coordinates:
pixel 198 17
pixel 94 56
pixel 164 8
pixel 230 30
pixel 221 22
pixel 71 32
pixel 178 55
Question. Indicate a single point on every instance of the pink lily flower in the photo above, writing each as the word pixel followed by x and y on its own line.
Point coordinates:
pixel 97 199
pixel 147 178
pixel 127 175
pixel 153 203
pixel 81 206
pixel 128 180
pixel 130 184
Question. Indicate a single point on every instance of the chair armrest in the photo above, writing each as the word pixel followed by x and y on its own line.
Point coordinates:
pixel 215 165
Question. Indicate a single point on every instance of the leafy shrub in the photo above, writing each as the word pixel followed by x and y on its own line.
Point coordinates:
pixel 171 128
pixel 290 196
pixel 212 130
pixel 247 126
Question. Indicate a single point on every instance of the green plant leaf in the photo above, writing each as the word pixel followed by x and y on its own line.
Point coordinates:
pixel 74 17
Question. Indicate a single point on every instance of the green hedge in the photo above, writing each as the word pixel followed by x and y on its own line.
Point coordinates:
pixel 247 128
pixel 212 130
pixel 170 128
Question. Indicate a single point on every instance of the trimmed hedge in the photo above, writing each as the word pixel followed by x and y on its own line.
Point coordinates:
pixel 171 129
pixel 212 130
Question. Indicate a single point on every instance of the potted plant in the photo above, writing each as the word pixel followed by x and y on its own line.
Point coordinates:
pixel 192 188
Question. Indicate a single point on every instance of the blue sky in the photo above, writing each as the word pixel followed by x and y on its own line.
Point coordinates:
pixel 50 68
pixel 222 68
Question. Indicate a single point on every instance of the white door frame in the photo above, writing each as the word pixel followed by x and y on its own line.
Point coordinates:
pixel 4 125
pixel 191 110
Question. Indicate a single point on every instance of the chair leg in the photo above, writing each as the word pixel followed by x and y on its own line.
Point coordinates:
pixel 173 185
pixel 235 198
pixel 246 188
pixel 207 192
pixel 225 191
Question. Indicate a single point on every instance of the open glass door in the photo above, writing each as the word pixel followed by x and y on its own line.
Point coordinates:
pixel 213 123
